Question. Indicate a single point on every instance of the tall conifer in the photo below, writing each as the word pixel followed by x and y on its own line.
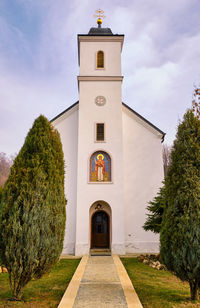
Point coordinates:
pixel 32 218
pixel 156 209
pixel 180 231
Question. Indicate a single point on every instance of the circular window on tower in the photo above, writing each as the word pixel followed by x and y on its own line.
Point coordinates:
pixel 100 100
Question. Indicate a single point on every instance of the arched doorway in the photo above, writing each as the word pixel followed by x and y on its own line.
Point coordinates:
pixel 100 230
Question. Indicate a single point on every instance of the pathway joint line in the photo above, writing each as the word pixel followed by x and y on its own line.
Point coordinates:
pixel 131 296
pixel 69 296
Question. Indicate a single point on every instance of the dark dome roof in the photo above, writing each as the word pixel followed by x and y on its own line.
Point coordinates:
pixel 100 31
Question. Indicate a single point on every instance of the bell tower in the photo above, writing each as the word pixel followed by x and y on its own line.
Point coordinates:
pixel 100 144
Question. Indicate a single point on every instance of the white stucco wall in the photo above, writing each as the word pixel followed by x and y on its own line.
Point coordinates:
pixel 136 157
pixel 67 125
pixel 88 193
pixel 143 174
pixel 112 58
pixel 137 171
pixel 89 115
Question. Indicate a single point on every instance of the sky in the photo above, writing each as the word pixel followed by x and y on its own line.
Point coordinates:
pixel 39 61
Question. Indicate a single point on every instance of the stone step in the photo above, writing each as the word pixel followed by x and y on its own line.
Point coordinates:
pixel 100 252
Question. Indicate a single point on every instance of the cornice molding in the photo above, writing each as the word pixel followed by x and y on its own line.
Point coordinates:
pixel 99 38
pixel 100 78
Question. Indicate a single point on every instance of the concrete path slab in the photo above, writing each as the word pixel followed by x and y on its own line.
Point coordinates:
pixel 69 296
pixel 101 282
pixel 100 285
pixel 132 298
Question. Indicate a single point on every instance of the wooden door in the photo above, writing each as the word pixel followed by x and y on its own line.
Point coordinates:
pixel 100 230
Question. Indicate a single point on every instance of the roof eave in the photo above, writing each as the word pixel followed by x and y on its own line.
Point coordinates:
pixel 149 123
pixel 63 112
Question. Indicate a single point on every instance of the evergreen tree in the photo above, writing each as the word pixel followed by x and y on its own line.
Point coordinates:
pixel 156 209
pixel 1 191
pixel 32 221
pixel 180 231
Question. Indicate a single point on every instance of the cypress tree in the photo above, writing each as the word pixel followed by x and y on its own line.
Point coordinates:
pixel 32 221
pixel 156 209
pixel 180 230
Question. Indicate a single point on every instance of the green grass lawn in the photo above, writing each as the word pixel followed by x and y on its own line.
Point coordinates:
pixel 158 289
pixel 45 292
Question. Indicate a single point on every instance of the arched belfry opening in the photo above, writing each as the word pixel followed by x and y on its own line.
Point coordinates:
pixel 100 225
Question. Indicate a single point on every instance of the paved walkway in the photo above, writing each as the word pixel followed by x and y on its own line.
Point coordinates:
pixel 100 285
pixel 100 282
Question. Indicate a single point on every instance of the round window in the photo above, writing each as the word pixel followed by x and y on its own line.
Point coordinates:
pixel 100 100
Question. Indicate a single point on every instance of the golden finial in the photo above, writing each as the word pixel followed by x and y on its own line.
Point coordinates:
pixel 99 16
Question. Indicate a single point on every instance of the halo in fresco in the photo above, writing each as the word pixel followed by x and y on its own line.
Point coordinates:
pixel 102 156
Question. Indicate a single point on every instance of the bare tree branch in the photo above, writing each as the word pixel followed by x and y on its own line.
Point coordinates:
pixel 5 164
pixel 166 153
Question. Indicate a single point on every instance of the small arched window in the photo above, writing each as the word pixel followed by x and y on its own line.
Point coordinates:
pixel 100 59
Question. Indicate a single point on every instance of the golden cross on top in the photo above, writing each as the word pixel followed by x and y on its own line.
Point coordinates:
pixel 99 16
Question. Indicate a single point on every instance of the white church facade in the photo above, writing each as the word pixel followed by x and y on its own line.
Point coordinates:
pixel 113 156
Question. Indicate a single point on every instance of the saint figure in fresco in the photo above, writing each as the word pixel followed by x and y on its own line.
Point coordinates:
pixel 100 167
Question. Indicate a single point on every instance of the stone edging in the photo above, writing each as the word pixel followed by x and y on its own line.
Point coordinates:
pixel 69 296
pixel 131 296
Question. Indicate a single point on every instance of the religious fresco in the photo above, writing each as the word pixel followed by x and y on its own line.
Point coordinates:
pixel 100 167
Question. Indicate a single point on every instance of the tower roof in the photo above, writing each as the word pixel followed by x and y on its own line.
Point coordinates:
pixel 100 31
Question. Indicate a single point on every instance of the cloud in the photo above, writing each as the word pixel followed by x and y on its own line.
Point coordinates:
pixel 22 100
pixel 160 60
pixel 38 59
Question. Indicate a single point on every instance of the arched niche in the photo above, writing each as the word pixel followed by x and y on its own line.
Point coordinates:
pixel 100 167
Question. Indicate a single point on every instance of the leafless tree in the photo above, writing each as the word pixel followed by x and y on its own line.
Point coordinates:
pixel 166 153
pixel 196 102
pixel 5 164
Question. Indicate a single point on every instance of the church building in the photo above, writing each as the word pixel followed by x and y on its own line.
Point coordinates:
pixel 113 156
